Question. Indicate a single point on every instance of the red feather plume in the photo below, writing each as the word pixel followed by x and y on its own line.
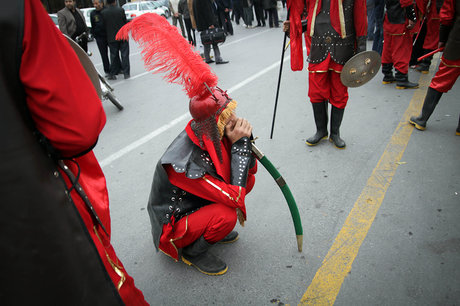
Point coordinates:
pixel 166 51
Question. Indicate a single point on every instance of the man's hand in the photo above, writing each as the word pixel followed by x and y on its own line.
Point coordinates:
pixel 411 24
pixel 286 26
pixel 237 128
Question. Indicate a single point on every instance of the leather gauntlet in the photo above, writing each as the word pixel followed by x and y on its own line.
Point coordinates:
pixel 241 158
pixel 410 13
pixel 361 44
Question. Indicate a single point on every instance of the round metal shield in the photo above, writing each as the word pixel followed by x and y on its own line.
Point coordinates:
pixel 360 69
pixel 87 65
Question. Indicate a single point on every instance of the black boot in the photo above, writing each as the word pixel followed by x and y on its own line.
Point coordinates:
pixel 197 255
pixel 387 70
pixel 424 66
pixel 431 100
pixel 457 132
pixel 336 121
pixel 320 113
pixel 231 237
pixel 402 81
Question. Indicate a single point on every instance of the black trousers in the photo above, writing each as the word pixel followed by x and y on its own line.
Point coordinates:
pixel 118 48
pixel 224 18
pixel 190 31
pixel 103 47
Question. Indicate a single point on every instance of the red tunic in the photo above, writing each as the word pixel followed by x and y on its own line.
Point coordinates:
pixel 67 110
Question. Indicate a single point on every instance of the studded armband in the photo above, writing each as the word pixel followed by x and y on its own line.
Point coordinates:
pixel 240 161
pixel 410 13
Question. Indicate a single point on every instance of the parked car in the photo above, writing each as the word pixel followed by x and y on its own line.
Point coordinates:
pixel 86 12
pixel 135 9
pixel 54 17
pixel 158 4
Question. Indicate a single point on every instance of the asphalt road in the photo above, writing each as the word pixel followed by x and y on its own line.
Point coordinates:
pixel 380 218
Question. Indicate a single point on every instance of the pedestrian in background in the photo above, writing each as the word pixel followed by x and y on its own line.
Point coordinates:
pixel 400 19
pixel 271 7
pixel 114 18
pixel 205 18
pixel 98 31
pixel 224 8
pixel 184 11
pixel 72 23
pixel 370 5
pixel 176 16
pixel 379 14
pixel 237 11
pixel 259 10
pixel 55 220
pixel 248 16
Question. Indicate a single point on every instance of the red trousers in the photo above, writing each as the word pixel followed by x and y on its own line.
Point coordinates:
pixel 397 50
pixel 448 72
pixel 214 222
pixel 325 84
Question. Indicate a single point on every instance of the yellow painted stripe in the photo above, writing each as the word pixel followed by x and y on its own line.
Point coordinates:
pixel 326 284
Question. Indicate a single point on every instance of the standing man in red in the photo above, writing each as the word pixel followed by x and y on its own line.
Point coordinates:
pixel 430 11
pixel 336 30
pixel 54 211
pixel 449 69
pixel 400 19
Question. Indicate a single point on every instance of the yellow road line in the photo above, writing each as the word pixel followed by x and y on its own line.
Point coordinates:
pixel 326 284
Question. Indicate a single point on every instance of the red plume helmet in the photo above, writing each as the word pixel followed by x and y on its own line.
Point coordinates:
pixel 166 51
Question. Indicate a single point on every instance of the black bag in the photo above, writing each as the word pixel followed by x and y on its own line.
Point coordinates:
pixel 212 36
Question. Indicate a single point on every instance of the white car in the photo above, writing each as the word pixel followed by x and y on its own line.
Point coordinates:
pixel 135 9
pixel 159 4
pixel 54 17
pixel 87 12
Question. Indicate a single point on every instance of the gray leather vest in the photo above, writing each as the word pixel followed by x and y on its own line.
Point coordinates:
pixel 326 40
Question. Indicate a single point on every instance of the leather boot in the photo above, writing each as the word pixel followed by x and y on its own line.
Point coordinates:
pixel 457 132
pixel 197 255
pixel 431 100
pixel 336 121
pixel 231 237
pixel 387 70
pixel 402 81
pixel 320 114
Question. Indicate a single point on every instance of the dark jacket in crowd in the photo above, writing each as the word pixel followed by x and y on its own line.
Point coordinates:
pixel 114 19
pixel 97 23
pixel 204 14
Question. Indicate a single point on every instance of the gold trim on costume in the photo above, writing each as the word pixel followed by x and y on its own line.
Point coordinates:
pixel 175 239
pixel 117 268
pixel 324 71
pixel 342 19
pixel 224 192
pixel 451 66
pixel 313 18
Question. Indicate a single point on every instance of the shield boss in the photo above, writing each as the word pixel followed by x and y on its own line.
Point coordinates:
pixel 360 69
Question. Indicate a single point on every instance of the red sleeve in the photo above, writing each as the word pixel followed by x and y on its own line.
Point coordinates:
pixel 447 13
pixel 360 17
pixel 60 96
pixel 406 3
pixel 212 189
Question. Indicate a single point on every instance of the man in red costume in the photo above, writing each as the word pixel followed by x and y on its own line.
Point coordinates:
pixel 55 221
pixel 429 33
pixel 400 19
pixel 201 181
pixel 449 69
pixel 200 184
pixel 336 30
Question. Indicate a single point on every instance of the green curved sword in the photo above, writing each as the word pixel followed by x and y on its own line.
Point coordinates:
pixel 286 192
